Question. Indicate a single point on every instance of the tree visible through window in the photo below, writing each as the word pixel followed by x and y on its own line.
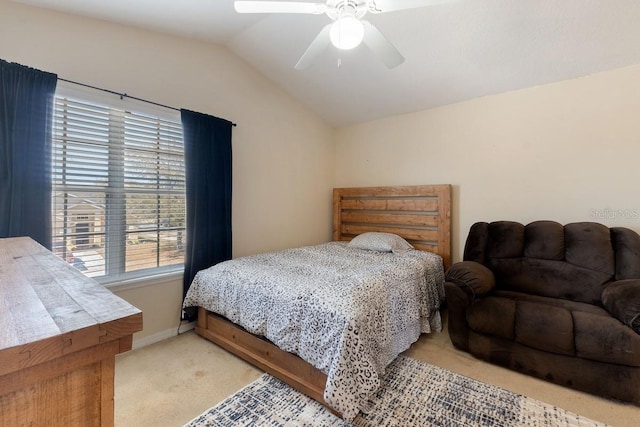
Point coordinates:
pixel 118 190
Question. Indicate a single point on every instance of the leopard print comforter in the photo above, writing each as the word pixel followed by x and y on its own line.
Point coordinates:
pixel 348 312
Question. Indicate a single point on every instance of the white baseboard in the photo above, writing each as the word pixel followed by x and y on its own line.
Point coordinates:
pixel 162 335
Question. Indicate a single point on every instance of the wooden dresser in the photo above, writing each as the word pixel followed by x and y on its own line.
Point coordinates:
pixel 59 334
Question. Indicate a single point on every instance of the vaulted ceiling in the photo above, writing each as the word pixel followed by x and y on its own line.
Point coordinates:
pixel 455 51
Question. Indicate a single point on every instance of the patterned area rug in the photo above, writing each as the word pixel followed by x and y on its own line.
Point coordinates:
pixel 413 393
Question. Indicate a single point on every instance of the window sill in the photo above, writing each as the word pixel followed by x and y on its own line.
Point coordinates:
pixel 142 282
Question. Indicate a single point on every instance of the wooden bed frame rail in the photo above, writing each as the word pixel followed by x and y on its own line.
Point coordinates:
pixel 263 354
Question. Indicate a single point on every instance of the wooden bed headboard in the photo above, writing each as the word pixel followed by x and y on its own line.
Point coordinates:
pixel 421 214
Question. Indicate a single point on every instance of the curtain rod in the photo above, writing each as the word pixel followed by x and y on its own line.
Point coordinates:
pixel 124 95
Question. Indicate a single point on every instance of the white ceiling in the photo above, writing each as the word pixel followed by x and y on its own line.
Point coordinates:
pixel 454 51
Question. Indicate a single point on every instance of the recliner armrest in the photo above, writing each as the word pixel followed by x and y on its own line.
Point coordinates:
pixel 472 277
pixel 622 299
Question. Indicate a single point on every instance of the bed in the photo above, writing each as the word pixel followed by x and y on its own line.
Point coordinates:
pixel 331 344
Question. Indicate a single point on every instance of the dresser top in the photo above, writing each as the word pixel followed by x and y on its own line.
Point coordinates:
pixel 48 306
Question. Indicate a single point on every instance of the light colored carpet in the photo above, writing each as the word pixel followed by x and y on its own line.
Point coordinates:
pixel 412 394
pixel 171 382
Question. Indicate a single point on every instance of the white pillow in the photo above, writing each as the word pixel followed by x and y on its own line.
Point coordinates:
pixel 381 242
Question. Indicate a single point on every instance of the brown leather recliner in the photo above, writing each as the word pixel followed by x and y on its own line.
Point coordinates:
pixel 557 302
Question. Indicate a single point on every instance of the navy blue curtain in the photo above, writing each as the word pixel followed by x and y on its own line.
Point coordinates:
pixel 26 112
pixel 207 153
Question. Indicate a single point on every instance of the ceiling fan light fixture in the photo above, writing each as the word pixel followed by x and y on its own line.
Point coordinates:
pixel 346 33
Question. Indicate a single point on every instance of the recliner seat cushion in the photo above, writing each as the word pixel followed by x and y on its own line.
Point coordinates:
pixel 493 316
pixel 555 326
pixel 605 339
pixel 544 327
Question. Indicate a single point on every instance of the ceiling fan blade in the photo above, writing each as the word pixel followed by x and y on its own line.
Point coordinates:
pixel 279 7
pixel 380 6
pixel 387 53
pixel 317 46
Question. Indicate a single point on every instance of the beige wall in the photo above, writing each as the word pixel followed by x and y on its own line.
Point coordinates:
pixel 567 151
pixel 283 154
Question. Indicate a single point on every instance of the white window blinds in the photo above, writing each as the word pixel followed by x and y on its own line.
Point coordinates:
pixel 118 190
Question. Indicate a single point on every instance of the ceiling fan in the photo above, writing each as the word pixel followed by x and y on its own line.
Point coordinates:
pixel 348 29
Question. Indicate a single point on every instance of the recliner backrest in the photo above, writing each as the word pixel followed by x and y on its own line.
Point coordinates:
pixel 546 258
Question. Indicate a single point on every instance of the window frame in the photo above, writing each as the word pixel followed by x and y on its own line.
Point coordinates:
pixel 122 278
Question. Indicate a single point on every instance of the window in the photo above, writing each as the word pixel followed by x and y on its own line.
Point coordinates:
pixel 118 187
